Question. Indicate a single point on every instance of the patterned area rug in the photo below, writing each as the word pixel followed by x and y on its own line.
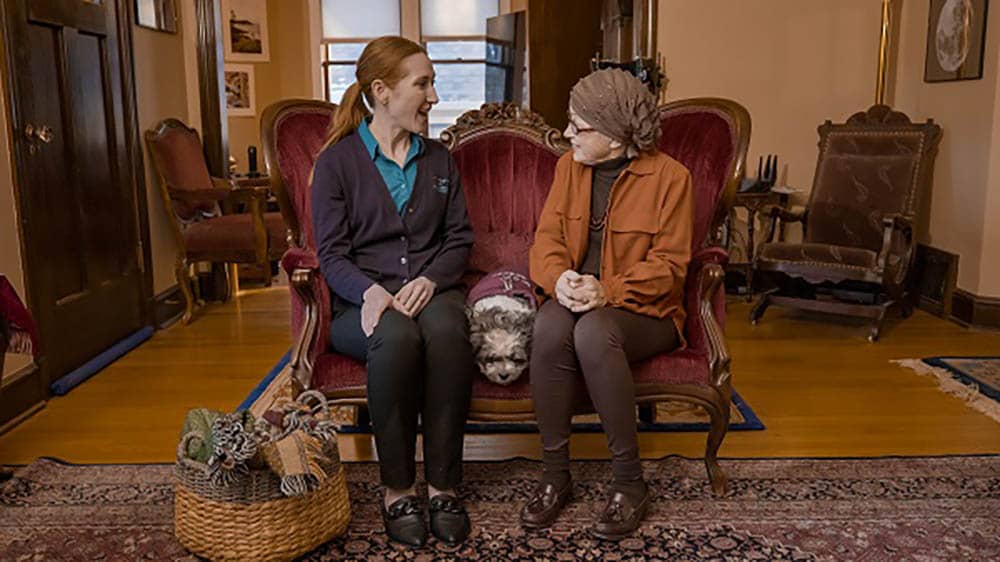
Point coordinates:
pixel 927 508
pixel 668 417
pixel 973 379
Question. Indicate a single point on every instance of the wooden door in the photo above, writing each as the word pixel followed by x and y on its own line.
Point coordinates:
pixel 74 159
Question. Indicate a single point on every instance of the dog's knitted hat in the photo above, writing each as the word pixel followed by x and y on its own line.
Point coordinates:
pixel 507 283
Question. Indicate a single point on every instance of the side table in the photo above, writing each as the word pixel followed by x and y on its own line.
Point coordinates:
pixel 753 203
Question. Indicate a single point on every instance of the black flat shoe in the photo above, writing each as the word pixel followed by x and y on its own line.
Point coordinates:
pixel 404 521
pixel 449 521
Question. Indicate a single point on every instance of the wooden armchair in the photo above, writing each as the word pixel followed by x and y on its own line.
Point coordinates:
pixel 507 157
pixel 202 232
pixel 860 227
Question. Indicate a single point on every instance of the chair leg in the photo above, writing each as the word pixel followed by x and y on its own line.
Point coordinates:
pixel 5 474
pixel 877 324
pixel 758 309
pixel 719 414
pixel 184 282
pixel 647 412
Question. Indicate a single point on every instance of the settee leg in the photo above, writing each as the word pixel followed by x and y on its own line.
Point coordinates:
pixel 647 412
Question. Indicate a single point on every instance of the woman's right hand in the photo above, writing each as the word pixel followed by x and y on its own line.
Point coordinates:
pixel 375 301
pixel 566 289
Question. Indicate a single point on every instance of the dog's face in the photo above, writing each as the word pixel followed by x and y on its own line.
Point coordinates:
pixel 501 339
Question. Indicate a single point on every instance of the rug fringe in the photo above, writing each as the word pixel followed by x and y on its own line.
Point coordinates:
pixel 969 393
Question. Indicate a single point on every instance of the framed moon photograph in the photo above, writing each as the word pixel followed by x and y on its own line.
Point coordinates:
pixel 240 98
pixel 956 37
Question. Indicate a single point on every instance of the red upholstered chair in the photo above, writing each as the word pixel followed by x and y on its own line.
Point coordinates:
pixel 193 196
pixel 507 158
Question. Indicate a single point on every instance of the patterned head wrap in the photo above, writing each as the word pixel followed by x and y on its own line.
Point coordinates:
pixel 619 105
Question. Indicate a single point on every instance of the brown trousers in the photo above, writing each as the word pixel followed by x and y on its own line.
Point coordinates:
pixel 599 345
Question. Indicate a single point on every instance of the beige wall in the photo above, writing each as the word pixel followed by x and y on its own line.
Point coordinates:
pixel 796 63
pixel 287 75
pixel 161 92
pixel 10 251
pixel 791 63
pixel 966 192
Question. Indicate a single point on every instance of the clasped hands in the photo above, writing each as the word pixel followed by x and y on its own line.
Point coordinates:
pixel 410 300
pixel 579 293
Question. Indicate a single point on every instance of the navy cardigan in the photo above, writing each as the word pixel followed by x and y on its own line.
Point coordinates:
pixel 360 237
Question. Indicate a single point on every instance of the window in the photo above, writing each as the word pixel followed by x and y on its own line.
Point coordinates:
pixel 454 33
pixel 346 30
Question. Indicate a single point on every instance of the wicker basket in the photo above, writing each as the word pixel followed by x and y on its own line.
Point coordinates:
pixel 251 519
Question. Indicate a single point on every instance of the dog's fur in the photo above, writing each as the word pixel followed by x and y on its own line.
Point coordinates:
pixel 500 329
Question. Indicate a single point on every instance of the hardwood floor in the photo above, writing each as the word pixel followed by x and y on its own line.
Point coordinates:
pixel 816 383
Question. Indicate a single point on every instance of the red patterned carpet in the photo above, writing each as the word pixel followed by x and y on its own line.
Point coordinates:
pixel 937 508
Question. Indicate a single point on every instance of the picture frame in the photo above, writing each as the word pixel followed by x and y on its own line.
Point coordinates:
pixel 160 15
pixel 956 40
pixel 244 31
pixel 241 98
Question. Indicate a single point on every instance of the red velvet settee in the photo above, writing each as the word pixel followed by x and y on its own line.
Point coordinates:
pixel 507 158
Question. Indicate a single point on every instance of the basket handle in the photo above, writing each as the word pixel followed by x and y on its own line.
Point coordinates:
pixel 185 441
pixel 322 405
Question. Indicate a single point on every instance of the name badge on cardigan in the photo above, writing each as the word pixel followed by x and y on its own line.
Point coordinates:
pixel 441 185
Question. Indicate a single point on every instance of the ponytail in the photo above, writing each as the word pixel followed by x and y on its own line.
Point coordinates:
pixel 348 116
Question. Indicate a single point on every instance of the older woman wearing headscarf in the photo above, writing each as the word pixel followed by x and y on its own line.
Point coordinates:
pixel 610 253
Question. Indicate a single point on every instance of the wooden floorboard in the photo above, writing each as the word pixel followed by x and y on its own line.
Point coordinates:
pixel 816 383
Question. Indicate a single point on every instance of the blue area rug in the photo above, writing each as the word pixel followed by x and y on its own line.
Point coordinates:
pixel 976 380
pixel 670 416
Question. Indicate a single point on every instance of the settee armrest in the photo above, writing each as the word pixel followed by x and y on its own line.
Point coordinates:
pixel 302 267
pixel 710 279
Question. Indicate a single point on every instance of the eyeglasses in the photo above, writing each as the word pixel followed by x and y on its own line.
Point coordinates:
pixel 575 129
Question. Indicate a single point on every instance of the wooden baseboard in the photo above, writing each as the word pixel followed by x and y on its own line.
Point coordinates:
pixel 974 310
pixel 21 394
pixel 168 307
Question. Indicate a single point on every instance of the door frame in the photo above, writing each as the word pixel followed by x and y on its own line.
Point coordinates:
pixel 30 266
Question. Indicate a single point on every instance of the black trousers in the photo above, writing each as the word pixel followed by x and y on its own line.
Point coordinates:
pixel 417 367
pixel 599 345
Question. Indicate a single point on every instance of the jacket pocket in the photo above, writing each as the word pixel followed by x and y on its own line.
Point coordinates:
pixel 631 237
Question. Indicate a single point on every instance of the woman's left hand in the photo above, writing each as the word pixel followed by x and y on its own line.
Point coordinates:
pixel 415 295
pixel 592 292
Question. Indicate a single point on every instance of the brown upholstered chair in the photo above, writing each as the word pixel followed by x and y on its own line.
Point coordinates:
pixel 193 197
pixel 507 157
pixel 860 227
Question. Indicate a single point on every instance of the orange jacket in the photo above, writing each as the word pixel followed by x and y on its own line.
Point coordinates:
pixel 647 239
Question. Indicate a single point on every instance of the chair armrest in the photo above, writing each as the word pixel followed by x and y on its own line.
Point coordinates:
pixel 776 213
pixel 198 195
pixel 891 224
pixel 710 280
pixel 710 254
pixel 299 258
pixel 302 267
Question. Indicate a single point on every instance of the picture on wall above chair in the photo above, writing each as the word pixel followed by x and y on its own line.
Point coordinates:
pixel 240 98
pixel 956 37
pixel 244 30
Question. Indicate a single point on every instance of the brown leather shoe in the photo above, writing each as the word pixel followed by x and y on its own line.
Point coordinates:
pixel 544 505
pixel 620 516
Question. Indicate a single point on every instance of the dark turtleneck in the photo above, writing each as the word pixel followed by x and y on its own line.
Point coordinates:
pixel 603 178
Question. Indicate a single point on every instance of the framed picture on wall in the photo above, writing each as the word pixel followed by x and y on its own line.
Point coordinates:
pixel 956 37
pixel 160 15
pixel 240 98
pixel 244 30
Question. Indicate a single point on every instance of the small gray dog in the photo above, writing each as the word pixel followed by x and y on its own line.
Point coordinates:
pixel 501 310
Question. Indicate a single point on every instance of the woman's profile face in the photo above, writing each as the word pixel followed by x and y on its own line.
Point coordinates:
pixel 409 102
pixel 590 146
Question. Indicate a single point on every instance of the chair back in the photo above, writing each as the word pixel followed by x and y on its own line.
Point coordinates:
pixel 878 163
pixel 709 136
pixel 507 156
pixel 179 161
pixel 293 132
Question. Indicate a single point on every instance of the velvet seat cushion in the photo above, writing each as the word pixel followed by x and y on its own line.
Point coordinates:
pixel 819 255
pixel 231 238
